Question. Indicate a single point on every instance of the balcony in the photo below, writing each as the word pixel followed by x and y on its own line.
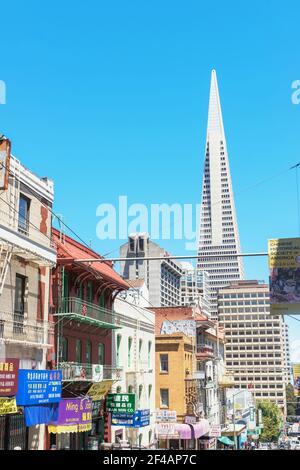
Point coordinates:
pixel 139 367
pixel 73 308
pixel 77 372
pixel 35 246
pixel 15 328
pixel 205 352
pixel 226 381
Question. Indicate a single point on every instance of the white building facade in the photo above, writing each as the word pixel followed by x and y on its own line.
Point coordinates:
pixel 134 352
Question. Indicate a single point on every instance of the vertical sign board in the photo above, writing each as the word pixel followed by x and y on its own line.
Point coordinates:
pixel 9 369
pixel 4 163
pixel 120 402
pixel 296 376
pixel 284 265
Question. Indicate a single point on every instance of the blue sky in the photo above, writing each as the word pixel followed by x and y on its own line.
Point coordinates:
pixel 111 98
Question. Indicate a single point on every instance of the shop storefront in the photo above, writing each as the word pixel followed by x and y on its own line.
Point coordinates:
pixel 181 436
pixel 73 424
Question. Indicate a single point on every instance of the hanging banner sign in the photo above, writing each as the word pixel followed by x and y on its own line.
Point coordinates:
pixel 4 163
pixel 9 369
pixel 8 406
pixel 37 387
pixel 120 402
pixel 139 419
pixel 74 411
pixel 98 391
pixel 284 265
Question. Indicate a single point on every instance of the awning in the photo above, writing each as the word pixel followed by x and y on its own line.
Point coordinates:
pixel 68 429
pixel 40 414
pixel 201 428
pixel 184 431
pixel 225 440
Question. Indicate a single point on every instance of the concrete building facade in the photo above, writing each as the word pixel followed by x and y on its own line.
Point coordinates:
pixel 162 278
pixel 26 259
pixel 254 344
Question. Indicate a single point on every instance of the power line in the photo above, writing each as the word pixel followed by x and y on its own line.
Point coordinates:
pixel 167 257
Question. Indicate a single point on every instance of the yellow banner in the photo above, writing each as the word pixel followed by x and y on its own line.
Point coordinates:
pixel 97 391
pixel 284 253
pixel 8 405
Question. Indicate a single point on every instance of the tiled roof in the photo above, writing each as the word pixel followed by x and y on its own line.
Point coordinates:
pixel 72 250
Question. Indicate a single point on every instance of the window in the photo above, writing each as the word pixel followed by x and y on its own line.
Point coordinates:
pixel 119 389
pixel 140 348
pixel 23 220
pixel 164 363
pixel 140 391
pixel 164 397
pixel 149 392
pixel 88 352
pixel 101 353
pixel 149 354
pixel 64 349
pixel 118 349
pixel 78 350
pixel 129 351
pixel 19 303
pixel 130 389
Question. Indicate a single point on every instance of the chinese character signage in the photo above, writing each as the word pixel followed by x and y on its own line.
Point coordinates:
pixel 120 402
pixel 4 163
pixel 38 387
pixel 9 369
pixel 98 391
pixel 8 405
pixel 166 416
pixel 138 419
pixel 215 430
pixel 284 264
pixel 74 411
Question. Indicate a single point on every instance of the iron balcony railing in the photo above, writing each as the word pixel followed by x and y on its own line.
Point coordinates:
pixel 75 371
pixel 86 311
pixel 205 350
pixel 15 327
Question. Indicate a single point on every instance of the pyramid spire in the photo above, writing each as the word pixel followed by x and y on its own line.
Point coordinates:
pixel 218 222
pixel 215 121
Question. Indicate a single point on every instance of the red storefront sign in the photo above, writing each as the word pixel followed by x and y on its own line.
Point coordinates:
pixel 9 371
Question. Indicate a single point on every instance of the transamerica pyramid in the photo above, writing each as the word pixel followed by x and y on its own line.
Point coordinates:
pixel 218 223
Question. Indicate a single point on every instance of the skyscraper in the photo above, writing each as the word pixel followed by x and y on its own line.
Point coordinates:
pixel 218 223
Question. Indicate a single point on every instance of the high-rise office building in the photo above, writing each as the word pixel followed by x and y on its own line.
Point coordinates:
pixel 287 353
pixel 162 277
pixel 218 223
pixel 254 344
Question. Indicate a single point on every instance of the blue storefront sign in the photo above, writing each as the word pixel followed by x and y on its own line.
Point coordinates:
pixel 37 387
pixel 138 419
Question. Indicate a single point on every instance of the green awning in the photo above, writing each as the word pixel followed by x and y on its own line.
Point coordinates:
pixel 225 440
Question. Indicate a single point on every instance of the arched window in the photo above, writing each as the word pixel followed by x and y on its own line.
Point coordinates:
pixel 149 354
pixel 119 389
pixel 130 389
